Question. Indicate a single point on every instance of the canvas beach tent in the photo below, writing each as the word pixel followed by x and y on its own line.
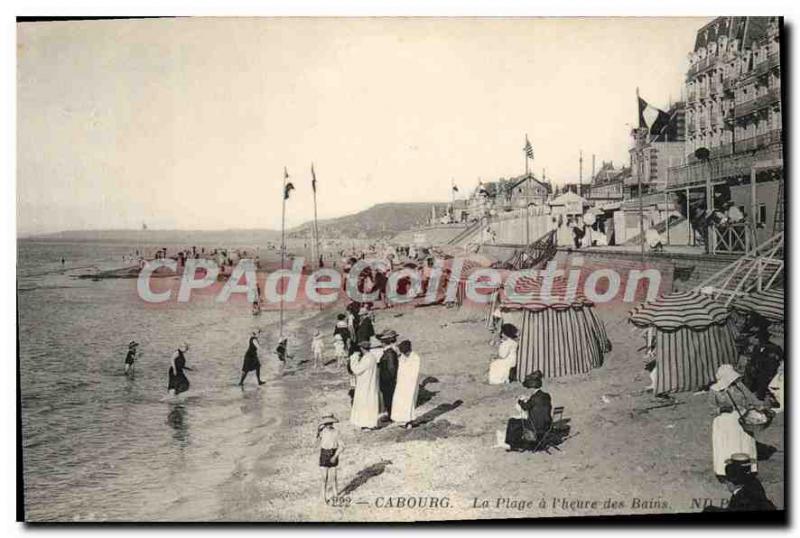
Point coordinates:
pixel 560 335
pixel 693 337
pixel 767 303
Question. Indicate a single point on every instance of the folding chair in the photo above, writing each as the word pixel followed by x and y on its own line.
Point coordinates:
pixel 543 444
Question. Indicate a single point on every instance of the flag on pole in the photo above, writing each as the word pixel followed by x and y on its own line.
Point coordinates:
pixel 313 178
pixel 287 187
pixel 455 188
pixel 528 148
pixel 651 118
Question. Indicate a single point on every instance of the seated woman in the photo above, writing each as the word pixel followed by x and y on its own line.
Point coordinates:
pixel 535 419
pixel 731 399
pixel 500 368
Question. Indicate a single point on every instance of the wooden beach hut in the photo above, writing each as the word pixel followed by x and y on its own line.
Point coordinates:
pixel 693 337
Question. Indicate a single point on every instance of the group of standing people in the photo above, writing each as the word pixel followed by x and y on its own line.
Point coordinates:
pixel 386 381
pixel 383 373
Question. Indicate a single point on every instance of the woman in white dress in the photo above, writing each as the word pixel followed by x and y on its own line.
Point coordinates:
pixel 727 435
pixel 507 355
pixel 405 392
pixel 365 400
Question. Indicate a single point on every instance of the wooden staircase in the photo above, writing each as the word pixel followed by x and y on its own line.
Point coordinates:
pixel 760 269
pixel 466 233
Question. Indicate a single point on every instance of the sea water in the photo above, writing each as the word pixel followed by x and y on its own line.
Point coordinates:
pixel 98 445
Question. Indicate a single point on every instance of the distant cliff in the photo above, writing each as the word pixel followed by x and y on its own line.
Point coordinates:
pixel 379 221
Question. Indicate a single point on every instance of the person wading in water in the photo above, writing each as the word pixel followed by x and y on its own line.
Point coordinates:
pixel 130 358
pixel 251 361
pixel 178 382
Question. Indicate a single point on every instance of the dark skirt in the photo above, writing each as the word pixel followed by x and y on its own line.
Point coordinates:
pixel 325 455
pixel 515 431
pixel 179 383
pixel 250 363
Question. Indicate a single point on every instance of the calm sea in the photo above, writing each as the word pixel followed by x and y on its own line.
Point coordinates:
pixel 101 446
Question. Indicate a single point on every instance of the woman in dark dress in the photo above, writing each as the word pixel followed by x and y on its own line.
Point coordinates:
pixel 251 361
pixel 178 382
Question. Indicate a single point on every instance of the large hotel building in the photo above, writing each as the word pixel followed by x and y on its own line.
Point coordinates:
pixel 733 109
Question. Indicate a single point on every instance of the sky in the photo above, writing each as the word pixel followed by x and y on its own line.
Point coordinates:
pixel 189 123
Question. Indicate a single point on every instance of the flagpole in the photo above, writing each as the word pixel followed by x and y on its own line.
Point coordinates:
pixel 640 154
pixel 283 240
pixel 525 152
pixel 316 229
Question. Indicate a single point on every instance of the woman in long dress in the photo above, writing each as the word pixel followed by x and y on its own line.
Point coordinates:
pixel 405 393
pixel 727 435
pixel 178 382
pixel 500 368
pixel 251 361
pixel 363 365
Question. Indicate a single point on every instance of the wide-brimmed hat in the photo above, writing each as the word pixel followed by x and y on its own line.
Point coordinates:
pixel 388 334
pixel 726 375
pixel 533 380
pixel 328 419
pixel 133 343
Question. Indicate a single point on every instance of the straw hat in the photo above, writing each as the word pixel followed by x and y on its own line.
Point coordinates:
pixel 726 375
pixel 328 419
pixel 132 344
pixel 388 334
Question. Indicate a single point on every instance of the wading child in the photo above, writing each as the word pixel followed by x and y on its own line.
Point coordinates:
pixel 330 448
pixel 317 347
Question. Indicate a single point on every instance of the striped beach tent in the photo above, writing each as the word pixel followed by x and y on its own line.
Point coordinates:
pixel 768 303
pixel 693 338
pixel 561 334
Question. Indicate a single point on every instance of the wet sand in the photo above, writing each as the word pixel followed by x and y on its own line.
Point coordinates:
pixel 620 458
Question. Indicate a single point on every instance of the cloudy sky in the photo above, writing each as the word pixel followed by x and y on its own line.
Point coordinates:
pixel 188 123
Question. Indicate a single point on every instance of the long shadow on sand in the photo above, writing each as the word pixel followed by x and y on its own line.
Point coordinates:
pixel 376 469
pixel 436 412
pixel 424 395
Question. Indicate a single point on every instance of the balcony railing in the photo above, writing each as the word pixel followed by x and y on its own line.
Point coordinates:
pixel 721 151
pixel 728 84
pixel 748 107
pixel 721 168
pixel 774 59
pixel 733 238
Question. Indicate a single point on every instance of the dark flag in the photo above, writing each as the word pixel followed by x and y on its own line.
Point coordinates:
pixel 528 148
pixel 288 187
pixel 313 179
pixel 455 188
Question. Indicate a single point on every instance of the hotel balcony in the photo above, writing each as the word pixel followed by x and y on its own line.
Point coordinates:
pixel 701 65
pixel 748 107
pixel 729 84
pixel 720 168
pixel 774 59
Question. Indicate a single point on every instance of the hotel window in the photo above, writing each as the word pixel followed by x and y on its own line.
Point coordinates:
pixel 762 214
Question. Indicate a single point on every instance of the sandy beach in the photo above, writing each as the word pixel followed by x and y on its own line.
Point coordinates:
pixel 621 457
